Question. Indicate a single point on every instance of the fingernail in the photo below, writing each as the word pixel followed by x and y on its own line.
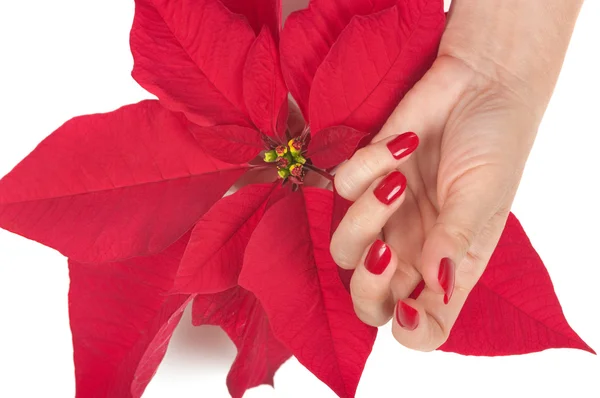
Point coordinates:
pixel 446 278
pixel 407 316
pixel 390 188
pixel 417 291
pixel 403 145
pixel 378 258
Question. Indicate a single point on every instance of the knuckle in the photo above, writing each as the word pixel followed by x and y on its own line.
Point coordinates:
pixel 443 332
pixel 370 318
pixel 367 163
pixel 344 183
pixel 463 236
pixel 359 292
pixel 355 224
pixel 471 268
pixel 362 292
pixel 339 253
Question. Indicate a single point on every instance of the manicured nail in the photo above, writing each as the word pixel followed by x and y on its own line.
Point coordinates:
pixel 378 258
pixel 446 278
pixel 417 291
pixel 403 145
pixel 390 188
pixel 407 316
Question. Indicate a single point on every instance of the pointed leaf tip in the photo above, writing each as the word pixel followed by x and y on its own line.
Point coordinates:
pixel 99 188
pixel 513 309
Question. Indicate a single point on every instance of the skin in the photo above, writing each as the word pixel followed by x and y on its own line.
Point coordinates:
pixel 476 112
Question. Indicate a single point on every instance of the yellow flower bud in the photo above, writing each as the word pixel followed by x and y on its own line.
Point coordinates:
pixel 297 170
pixel 295 146
pixel 281 150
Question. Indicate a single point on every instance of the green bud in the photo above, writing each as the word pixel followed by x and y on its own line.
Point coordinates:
pixel 270 156
pixel 283 173
pixel 299 159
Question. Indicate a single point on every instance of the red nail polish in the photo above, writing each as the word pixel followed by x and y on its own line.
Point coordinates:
pixel 418 290
pixel 407 316
pixel 390 188
pixel 403 145
pixel 378 258
pixel 446 278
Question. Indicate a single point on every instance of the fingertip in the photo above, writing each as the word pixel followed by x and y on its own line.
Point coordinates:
pixel 415 328
pixel 407 316
pixel 401 146
pixel 370 285
pixel 378 257
pixel 446 277
pixel 373 161
pixel 439 257
pixel 410 326
pixel 391 188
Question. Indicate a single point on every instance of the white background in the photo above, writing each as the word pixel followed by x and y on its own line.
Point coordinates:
pixel 63 58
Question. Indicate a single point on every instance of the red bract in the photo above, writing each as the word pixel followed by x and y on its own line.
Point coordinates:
pixel 298 285
pixel 240 314
pixel 122 320
pixel 135 197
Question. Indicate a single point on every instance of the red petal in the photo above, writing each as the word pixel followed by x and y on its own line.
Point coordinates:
pixel 122 320
pixel 289 268
pixel 229 143
pixel 332 146
pixel 309 34
pixel 264 89
pixel 111 186
pixel 260 354
pixel 374 62
pixel 513 309
pixel 191 54
pixel 259 13
pixel 214 256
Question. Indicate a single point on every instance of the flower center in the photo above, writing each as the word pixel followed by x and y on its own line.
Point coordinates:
pixel 289 160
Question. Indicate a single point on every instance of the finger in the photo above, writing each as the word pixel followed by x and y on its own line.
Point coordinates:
pixel 414 327
pixel 365 219
pixel 373 161
pixel 474 199
pixel 405 235
pixel 425 323
pixel 424 109
pixel 370 285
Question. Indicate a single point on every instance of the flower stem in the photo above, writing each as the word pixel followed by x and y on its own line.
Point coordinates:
pixel 319 171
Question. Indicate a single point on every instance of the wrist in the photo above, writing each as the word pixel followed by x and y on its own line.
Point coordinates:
pixel 515 44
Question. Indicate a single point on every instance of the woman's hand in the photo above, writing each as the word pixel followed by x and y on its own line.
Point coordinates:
pixel 476 113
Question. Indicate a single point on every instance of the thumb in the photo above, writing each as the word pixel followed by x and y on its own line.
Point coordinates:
pixel 481 161
pixel 458 246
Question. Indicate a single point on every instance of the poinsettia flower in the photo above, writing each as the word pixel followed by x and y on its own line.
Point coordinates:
pixel 136 198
